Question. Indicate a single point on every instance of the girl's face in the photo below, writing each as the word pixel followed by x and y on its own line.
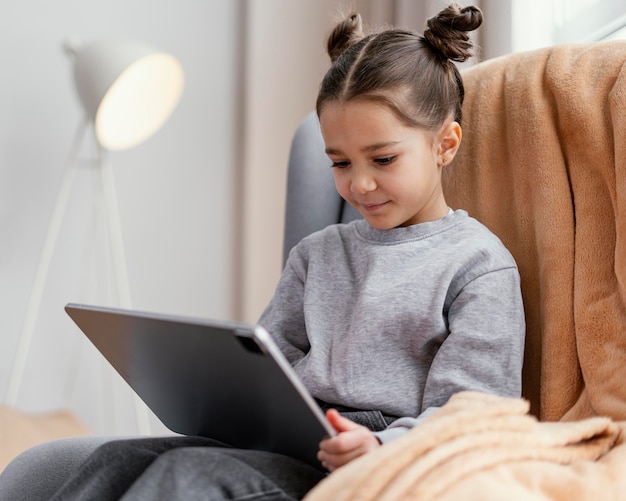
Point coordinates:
pixel 390 172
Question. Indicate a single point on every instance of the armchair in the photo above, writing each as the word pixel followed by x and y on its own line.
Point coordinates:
pixel 312 202
pixel 543 165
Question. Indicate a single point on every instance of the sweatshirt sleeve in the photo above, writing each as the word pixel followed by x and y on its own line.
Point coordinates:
pixel 483 350
pixel 283 317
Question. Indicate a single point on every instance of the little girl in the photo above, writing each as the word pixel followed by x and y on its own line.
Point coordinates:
pixel 384 318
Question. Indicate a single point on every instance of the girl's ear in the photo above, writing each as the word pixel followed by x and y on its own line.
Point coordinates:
pixel 449 142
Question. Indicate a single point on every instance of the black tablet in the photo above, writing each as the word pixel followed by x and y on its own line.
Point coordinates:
pixel 224 380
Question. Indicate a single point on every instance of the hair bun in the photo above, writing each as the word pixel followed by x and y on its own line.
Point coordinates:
pixel 446 32
pixel 347 33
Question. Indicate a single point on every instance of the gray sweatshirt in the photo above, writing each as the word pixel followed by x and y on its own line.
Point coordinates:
pixel 399 320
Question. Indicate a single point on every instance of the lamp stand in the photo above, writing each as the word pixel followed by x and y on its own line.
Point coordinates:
pixel 45 259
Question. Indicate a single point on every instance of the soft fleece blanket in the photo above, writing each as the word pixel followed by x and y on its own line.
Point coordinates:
pixel 471 434
pixel 543 164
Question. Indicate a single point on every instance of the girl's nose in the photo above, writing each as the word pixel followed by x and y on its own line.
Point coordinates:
pixel 362 181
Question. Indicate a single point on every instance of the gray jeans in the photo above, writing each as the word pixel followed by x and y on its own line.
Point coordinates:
pixel 189 468
pixel 160 468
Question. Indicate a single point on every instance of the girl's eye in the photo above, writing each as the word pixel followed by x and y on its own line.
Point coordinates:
pixel 340 165
pixel 384 160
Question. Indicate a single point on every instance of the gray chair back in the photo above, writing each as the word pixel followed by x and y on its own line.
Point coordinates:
pixel 312 200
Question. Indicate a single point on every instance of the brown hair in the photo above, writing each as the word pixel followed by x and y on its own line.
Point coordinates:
pixel 414 75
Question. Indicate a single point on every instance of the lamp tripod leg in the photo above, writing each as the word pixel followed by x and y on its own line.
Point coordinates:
pixel 114 229
pixel 41 274
pixel 119 265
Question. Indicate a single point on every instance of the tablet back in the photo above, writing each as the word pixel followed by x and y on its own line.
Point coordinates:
pixel 223 380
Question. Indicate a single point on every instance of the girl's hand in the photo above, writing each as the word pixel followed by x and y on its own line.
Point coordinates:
pixel 353 440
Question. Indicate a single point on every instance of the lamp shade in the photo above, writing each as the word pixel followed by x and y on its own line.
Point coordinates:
pixel 128 88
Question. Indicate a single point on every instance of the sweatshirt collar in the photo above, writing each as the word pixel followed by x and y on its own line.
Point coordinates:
pixel 408 233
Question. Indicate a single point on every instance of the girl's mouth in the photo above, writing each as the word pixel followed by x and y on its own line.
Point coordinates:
pixel 373 207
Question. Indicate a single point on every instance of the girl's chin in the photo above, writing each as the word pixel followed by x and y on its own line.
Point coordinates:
pixel 380 225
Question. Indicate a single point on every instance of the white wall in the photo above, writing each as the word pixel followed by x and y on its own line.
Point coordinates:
pixel 523 25
pixel 174 190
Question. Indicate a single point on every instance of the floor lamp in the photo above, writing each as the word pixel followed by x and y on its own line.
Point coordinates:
pixel 128 91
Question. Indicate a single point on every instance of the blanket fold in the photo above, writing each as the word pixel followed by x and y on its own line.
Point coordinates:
pixel 473 432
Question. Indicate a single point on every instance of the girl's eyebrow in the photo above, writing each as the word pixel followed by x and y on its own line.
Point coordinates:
pixel 369 148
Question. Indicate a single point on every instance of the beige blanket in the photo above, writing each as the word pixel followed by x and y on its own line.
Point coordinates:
pixel 443 457
pixel 543 164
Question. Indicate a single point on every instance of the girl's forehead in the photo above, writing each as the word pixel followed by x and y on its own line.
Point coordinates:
pixel 365 125
pixel 357 121
pixel 363 104
pixel 359 111
pixel 367 115
pixel 397 106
